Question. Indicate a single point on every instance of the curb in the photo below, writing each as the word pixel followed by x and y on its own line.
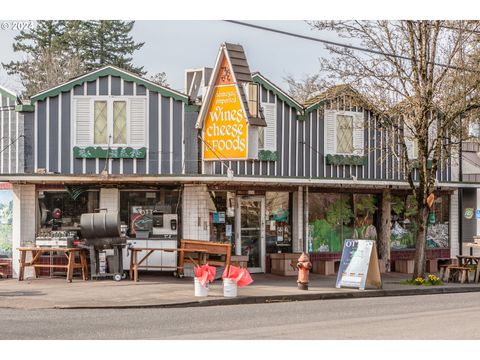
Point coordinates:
pixel 243 300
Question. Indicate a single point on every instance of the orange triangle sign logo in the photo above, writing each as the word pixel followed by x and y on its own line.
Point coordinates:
pixel 224 76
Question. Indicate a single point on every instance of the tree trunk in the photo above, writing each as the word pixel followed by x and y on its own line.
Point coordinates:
pixel 420 247
pixel 385 230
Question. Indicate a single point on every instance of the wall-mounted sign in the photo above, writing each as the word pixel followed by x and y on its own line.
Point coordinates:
pixel 225 130
pixel 469 213
pixel 98 152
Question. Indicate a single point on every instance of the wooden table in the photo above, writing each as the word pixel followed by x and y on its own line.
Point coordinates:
pixel 206 248
pixel 135 264
pixel 468 261
pixel 68 252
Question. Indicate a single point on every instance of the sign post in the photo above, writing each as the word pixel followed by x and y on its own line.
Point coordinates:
pixel 359 265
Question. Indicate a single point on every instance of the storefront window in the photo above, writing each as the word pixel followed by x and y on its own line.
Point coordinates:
pixel 62 209
pixel 146 211
pixel 278 223
pixel 438 227
pixel 330 221
pixel 365 216
pixel 404 222
pixel 6 217
pixel 336 217
pixel 222 217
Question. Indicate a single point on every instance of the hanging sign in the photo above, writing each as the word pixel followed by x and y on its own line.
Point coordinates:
pixel 359 265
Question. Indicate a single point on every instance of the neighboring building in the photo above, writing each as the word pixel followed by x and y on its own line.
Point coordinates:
pixel 235 158
pixel 470 196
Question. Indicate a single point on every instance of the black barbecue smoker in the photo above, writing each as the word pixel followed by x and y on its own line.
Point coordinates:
pixel 101 231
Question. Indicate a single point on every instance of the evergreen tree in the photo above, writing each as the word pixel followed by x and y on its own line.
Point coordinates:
pixel 82 45
pixel 108 42
pixel 48 35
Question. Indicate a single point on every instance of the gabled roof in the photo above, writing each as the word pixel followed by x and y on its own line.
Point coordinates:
pixel 8 93
pixel 113 71
pixel 237 60
pixel 239 63
pixel 334 92
pixel 282 95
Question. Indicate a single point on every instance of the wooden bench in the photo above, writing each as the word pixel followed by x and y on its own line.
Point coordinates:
pixel 3 267
pixel 207 248
pixel 404 266
pixel 325 267
pixel 460 273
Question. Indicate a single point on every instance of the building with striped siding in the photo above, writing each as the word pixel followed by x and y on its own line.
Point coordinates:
pixel 313 174
pixel 11 134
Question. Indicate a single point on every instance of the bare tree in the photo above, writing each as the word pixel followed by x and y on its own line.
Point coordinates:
pixel 50 68
pixel 422 78
pixel 304 88
pixel 160 79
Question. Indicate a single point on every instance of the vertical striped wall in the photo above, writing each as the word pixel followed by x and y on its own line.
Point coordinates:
pixel 11 137
pixel 165 133
pixel 300 148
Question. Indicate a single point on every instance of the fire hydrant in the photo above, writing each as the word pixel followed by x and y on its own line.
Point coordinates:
pixel 304 265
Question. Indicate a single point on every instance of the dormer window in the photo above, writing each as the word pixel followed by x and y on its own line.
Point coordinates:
pixel 253 99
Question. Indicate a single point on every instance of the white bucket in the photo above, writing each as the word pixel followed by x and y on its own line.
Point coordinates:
pixel 199 289
pixel 229 288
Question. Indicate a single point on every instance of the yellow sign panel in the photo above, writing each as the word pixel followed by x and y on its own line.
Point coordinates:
pixel 225 129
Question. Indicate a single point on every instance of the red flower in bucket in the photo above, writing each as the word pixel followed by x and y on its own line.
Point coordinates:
pixel 205 273
pixel 240 276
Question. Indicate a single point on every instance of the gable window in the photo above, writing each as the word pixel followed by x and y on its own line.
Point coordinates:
pixel 344 132
pixel 100 122
pixel 110 121
pixel 412 148
pixel 253 95
pixel 119 122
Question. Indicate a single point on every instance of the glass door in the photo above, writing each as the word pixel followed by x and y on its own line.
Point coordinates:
pixel 250 231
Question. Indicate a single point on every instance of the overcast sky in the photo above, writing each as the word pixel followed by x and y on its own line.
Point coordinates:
pixel 173 46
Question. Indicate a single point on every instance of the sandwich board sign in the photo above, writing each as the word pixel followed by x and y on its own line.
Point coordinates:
pixel 359 265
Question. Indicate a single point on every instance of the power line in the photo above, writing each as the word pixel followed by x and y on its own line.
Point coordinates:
pixel 347 46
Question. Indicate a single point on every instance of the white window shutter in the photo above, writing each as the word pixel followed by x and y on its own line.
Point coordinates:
pixel 432 133
pixel 358 134
pixel 409 144
pixel 330 131
pixel 137 122
pixel 271 130
pixel 83 123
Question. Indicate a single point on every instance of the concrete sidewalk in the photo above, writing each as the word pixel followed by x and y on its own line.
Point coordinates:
pixel 167 291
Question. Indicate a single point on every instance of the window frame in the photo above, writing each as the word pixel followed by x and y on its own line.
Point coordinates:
pixel 110 100
pixel 344 114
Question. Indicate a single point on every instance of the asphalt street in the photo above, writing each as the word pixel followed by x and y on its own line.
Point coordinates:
pixel 403 317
